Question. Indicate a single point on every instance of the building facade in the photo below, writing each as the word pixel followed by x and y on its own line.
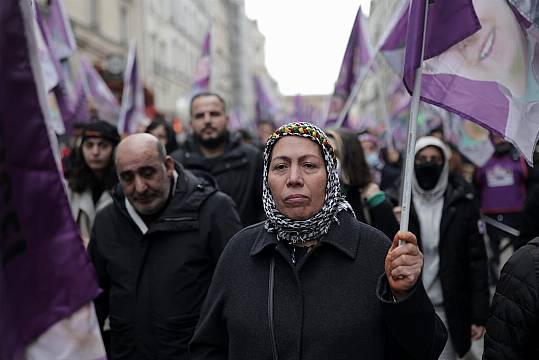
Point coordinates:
pixel 169 36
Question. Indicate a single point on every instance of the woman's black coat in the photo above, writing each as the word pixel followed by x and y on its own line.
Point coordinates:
pixel 463 263
pixel 335 303
pixel 380 216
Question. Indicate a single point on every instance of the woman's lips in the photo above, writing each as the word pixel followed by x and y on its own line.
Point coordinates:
pixel 296 199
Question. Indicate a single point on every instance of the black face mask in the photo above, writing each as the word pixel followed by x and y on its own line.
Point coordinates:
pixel 427 174
pixel 502 148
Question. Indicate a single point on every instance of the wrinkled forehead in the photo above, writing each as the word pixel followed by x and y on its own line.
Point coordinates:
pixel 133 157
pixel 296 147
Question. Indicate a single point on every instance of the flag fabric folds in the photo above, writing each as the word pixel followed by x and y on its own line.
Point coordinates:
pixel 266 105
pixel 45 274
pixel 354 66
pixel 101 98
pixel 203 69
pixel 132 109
pixel 394 45
pixel 471 71
pixel 62 38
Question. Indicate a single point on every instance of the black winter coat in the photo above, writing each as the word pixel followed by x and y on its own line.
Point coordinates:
pixel 380 217
pixel 154 283
pixel 238 173
pixel 529 227
pixel 335 303
pixel 513 324
pixel 463 263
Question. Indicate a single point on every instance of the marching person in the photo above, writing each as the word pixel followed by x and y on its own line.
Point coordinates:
pixel 213 149
pixel 155 249
pixel 312 282
pixel 92 175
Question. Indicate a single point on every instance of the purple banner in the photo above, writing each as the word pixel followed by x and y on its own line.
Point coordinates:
pixel 101 98
pixel 478 78
pixel 203 69
pixel 45 273
pixel 394 45
pixel 132 109
pixel 62 39
pixel 354 65
pixel 266 106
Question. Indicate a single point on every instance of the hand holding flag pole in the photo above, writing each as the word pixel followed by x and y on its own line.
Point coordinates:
pixel 412 129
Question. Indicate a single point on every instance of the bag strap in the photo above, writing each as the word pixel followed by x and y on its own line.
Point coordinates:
pixel 270 308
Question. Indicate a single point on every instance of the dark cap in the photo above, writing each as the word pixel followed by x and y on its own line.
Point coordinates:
pixel 101 129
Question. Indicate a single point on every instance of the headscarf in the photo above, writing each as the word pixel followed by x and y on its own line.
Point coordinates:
pixel 299 231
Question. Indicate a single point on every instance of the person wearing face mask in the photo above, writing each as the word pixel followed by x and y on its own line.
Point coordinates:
pixel 502 188
pixel 445 217
pixel 371 149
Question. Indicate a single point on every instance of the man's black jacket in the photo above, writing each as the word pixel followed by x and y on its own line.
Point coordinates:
pixel 154 283
pixel 238 173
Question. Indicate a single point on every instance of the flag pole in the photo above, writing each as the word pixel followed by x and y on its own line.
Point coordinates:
pixel 359 82
pixel 412 134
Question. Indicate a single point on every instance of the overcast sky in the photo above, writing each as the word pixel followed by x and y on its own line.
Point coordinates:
pixel 305 40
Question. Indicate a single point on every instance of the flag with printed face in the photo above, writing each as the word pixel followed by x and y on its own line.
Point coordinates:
pixel 100 96
pixel 354 66
pixel 47 282
pixel 203 69
pixel 132 109
pixel 482 63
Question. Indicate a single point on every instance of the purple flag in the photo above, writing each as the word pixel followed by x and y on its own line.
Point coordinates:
pixel 45 273
pixel 132 109
pixel 354 66
pixel 394 45
pixel 203 69
pixel 63 41
pixel 101 97
pixel 266 106
pixel 487 71
pixel 236 119
pixel 69 96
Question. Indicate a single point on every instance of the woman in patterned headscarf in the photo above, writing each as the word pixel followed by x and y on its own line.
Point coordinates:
pixel 312 282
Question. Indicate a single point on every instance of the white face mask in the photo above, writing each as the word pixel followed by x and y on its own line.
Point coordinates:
pixel 373 160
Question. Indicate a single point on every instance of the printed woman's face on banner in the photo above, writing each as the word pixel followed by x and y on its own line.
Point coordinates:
pixel 498 51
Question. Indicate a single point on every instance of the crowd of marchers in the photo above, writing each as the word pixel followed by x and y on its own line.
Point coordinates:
pixel 286 245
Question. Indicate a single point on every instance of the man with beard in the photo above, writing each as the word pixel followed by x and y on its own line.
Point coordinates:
pixel 212 149
pixel 155 249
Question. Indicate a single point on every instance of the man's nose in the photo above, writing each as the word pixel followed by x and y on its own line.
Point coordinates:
pixel 140 184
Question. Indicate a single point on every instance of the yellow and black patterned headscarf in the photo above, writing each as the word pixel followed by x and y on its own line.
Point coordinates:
pixel 298 231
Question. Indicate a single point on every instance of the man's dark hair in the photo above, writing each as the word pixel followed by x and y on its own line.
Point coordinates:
pixel 204 94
